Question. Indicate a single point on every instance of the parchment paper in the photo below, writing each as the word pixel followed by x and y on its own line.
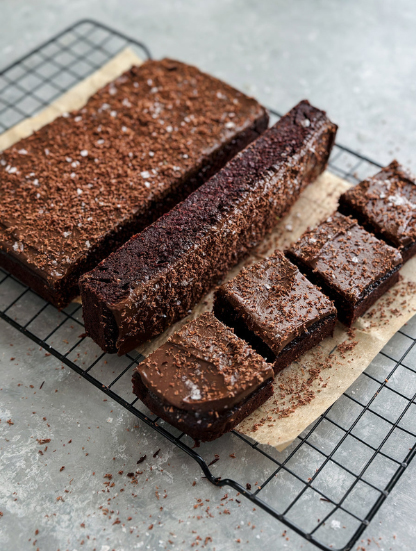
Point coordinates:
pixel 308 387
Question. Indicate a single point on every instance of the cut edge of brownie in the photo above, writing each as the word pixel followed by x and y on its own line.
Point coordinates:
pixel 210 425
pixel 348 312
pixel 231 317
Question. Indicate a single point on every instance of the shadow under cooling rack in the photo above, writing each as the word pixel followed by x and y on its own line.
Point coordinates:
pixel 328 485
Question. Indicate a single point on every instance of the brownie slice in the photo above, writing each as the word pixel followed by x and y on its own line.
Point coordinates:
pixel 77 189
pixel 353 267
pixel 204 380
pixel 155 278
pixel 386 206
pixel 276 310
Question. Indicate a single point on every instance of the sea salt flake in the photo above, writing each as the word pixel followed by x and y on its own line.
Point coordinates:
pixel 151 154
pixel 22 152
pixel 113 113
pixel 126 102
pixel 36 182
pixel 87 244
pixel 169 129
pixel 145 174
pixel 354 259
pixel 79 191
pixel 229 124
pixel 124 128
pixel 68 159
pixel 112 91
pixel 100 142
pixel 306 123
pixel 84 153
pixel 78 118
pixel 75 164
pixel 149 82
pixel 195 391
pixel 66 233
pixel 105 106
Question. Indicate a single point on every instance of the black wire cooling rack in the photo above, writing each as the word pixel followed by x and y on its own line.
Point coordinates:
pixel 328 485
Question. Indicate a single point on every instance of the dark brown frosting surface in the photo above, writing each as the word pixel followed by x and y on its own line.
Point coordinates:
pixel 276 301
pixel 76 179
pixel 347 257
pixel 388 201
pixel 204 367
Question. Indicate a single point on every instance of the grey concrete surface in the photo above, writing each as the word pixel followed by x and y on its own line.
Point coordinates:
pixel 356 60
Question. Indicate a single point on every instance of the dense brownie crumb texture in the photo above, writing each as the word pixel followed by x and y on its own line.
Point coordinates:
pixel 203 378
pixel 346 260
pixel 155 278
pixel 79 187
pixel 386 205
pixel 273 301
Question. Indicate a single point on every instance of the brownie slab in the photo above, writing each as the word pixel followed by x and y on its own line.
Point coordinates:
pixel 386 206
pixel 352 267
pixel 155 278
pixel 276 310
pixel 204 380
pixel 77 189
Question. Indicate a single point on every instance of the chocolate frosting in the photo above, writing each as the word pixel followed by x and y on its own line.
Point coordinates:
pixel 276 301
pixel 388 202
pixel 76 180
pixel 346 256
pixel 204 368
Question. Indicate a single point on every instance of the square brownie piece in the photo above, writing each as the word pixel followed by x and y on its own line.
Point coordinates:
pixel 386 205
pixel 276 309
pixel 352 267
pixel 204 380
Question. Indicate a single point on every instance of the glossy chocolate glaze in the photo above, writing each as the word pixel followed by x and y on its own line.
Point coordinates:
pixel 204 367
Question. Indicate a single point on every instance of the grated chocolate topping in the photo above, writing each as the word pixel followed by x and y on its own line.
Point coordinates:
pixel 88 172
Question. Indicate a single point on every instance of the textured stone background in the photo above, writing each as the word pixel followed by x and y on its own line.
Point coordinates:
pixel 355 59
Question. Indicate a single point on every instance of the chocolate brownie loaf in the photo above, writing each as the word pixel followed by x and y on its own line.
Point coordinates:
pixel 276 310
pixel 77 189
pixel 155 278
pixel 352 267
pixel 204 380
pixel 386 206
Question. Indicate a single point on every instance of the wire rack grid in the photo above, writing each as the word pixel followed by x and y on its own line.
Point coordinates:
pixel 339 471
